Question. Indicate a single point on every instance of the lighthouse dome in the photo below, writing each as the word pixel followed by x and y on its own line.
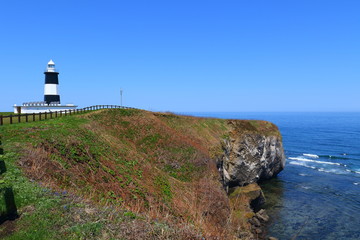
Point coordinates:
pixel 51 66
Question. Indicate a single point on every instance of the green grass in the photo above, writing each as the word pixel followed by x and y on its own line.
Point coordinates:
pixel 46 209
pixel 164 186
pixel 52 214
pixel 32 117
pixel 116 158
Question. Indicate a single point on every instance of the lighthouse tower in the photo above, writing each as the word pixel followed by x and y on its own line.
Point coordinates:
pixel 51 93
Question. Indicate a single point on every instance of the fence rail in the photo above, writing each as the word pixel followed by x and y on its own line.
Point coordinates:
pixel 32 117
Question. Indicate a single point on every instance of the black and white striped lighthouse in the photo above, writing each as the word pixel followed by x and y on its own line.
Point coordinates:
pixel 51 93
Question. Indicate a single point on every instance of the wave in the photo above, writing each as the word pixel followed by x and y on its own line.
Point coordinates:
pixel 331 170
pixel 303 174
pixel 301 164
pixel 337 171
pixel 334 157
pixel 352 171
pixel 315 161
pixel 311 155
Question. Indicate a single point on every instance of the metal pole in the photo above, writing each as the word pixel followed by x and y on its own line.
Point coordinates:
pixel 121 93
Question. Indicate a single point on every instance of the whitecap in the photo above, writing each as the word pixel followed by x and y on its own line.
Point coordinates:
pixel 356 183
pixel 301 164
pixel 311 155
pixel 298 163
pixel 315 161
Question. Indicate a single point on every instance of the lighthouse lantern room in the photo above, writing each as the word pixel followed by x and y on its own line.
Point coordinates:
pixel 51 101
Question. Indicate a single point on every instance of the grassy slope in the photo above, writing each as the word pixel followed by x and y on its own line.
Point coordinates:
pixel 118 174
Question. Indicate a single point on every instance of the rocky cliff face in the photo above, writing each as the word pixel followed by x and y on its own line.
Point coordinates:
pixel 253 151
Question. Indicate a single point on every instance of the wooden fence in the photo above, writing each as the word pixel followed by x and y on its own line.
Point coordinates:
pixel 32 117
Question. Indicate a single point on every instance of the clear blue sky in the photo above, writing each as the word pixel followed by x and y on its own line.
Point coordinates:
pixel 193 55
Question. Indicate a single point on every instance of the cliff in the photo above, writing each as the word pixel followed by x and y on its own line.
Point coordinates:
pixel 253 151
pixel 162 175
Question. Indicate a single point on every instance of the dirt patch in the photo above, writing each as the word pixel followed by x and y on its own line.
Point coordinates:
pixel 7 228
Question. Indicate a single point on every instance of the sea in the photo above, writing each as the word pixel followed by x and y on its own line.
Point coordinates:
pixel 317 195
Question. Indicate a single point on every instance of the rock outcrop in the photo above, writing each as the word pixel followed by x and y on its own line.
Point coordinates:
pixel 253 151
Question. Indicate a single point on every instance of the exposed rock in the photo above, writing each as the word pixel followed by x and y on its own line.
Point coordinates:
pixel 252 152
pixel 272 238
pixel 262 216
pixel 245 235
pixel 255 222
pixel 258 231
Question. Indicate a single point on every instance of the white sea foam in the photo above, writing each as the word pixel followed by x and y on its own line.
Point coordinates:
pixel 335 171
pixel 303 174
pixel 298 163
pixel 315 161
pixel 301 164
pixel 311 155
pixel 356 183
pixel 305 187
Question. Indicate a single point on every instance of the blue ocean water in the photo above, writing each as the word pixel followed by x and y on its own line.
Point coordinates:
pixel 317 195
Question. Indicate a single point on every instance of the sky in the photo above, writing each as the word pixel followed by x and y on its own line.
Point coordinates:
pixel 185 56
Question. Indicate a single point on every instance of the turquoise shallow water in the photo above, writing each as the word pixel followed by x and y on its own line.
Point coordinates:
pixel 317 196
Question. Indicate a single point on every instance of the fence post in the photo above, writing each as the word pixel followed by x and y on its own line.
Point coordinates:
pixel 33 117
pixel 1 120
pixel 50 114
pixel 56 114
pixel 65 112
pixel 45 115
pixel 19 118
pixel 26 117
pixel 39 116
pixel 11 119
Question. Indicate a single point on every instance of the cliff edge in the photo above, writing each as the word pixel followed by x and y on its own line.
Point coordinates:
pixel 134 174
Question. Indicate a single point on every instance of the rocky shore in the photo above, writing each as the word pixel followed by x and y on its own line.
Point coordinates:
pixel 250 156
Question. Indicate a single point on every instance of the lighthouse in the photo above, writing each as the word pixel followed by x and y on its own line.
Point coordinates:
pixel 51 90
pixel 51 101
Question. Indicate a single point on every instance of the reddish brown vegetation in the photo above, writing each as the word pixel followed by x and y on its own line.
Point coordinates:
pixel 158 165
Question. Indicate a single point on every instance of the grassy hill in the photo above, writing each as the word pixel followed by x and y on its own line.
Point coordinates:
pixel 120 174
